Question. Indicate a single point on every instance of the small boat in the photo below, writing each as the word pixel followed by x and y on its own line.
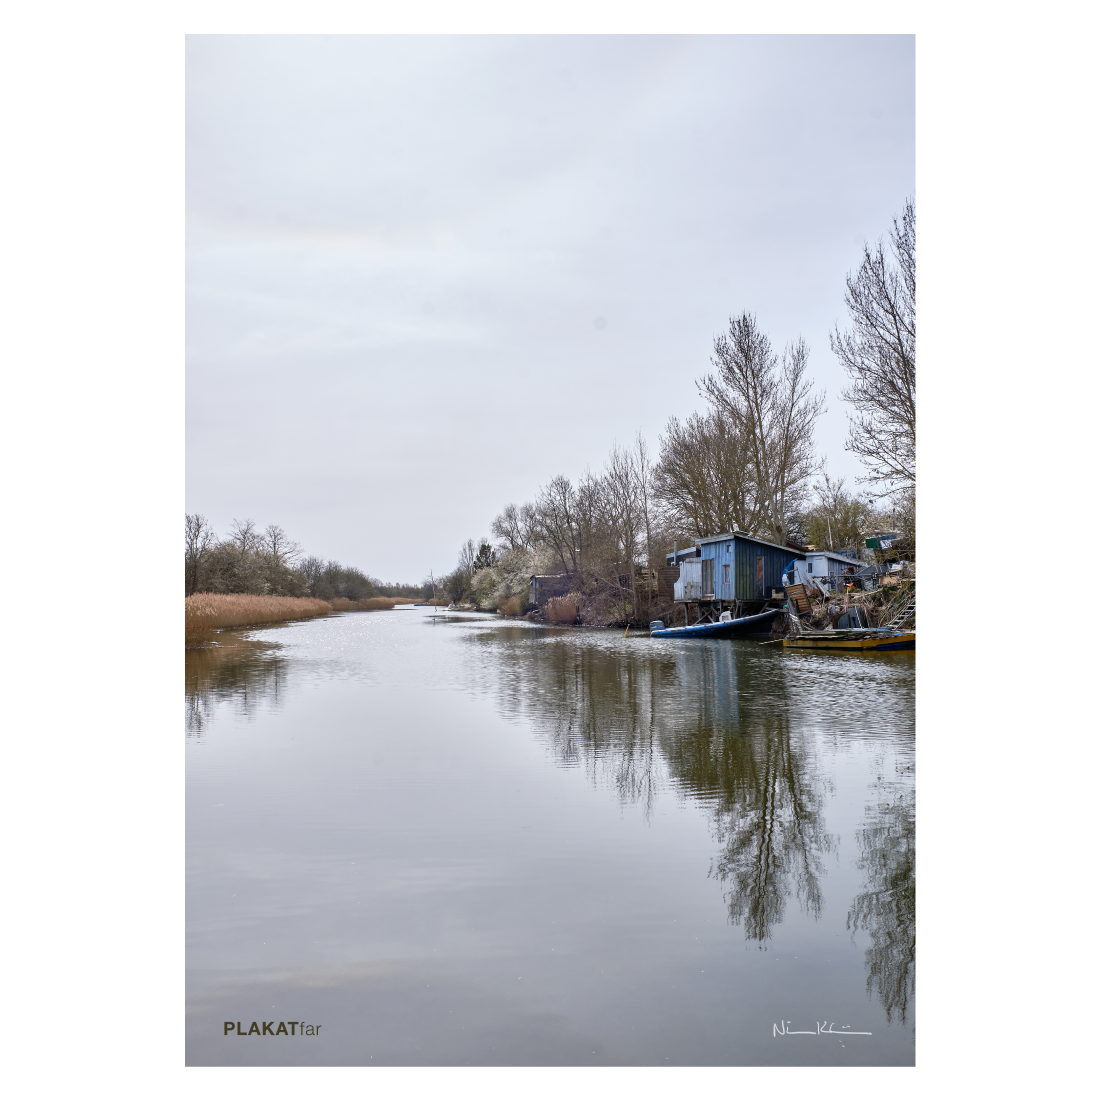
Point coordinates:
pixel 867 638
pixel 746 626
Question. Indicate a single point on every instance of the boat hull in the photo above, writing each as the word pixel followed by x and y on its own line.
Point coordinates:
pixel 744 627
pixel 853 640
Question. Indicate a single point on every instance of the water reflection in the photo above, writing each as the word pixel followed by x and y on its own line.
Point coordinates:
pixel 768 819
pixel 887 906
pixel 416 845
pixel 643 719
pixel 244 672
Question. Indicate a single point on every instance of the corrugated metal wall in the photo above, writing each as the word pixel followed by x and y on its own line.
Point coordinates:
pixel 755 568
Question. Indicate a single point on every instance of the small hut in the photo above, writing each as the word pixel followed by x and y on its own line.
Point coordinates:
pixel 545 586
pixel 735 567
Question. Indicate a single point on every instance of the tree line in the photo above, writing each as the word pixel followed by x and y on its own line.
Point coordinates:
pixel 269 563
pixel 747 462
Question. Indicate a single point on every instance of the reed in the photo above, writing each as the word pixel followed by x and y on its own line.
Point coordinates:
pixel 564 609
pixel 510 607
pixel 207 611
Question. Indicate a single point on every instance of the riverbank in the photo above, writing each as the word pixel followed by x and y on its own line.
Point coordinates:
pixel 206 612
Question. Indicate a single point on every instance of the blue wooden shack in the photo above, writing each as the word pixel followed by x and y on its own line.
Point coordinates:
pixel 740 566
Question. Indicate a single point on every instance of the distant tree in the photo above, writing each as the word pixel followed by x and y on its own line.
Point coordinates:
pixel 643 470
pixel 879 354
pixel 486 556
pixel 199 540
pixel 623 509
pixel 558 519
pixel 279 548
pixel 508 529
pixel 837 517
pixel 311 569
pixel 243 535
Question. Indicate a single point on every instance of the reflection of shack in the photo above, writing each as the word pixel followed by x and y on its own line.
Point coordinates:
pixel 546 586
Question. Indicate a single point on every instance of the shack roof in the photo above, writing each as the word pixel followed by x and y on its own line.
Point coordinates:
pixel 681 555
pixel 831 554
pixel 750 538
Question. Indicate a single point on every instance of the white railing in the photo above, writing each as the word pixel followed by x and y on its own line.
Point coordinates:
pixel 690 584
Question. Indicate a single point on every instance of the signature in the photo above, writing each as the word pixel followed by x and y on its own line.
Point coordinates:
pixel 782 1027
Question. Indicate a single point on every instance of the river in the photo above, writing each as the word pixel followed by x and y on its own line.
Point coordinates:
pixel 453 840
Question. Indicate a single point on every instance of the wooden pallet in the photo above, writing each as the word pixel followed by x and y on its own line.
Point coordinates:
pixel 799 598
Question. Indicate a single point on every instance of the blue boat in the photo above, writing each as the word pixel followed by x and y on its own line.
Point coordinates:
pixel 746 626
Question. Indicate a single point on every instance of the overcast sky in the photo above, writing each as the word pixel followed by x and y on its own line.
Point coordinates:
pixel 426 274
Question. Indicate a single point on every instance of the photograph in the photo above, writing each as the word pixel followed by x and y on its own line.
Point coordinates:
pixel 550 550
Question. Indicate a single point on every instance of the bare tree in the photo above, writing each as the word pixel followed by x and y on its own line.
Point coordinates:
pixel 280 549
pixel 703 478
pixel 557 515
pixel 879 354
pixel 643 475
pixel 508 528
pixel 199 540
pixel 312 569
pixel 243 534
pixel 773 407
pixel 837 518
pixel 622 501
pixel 530 531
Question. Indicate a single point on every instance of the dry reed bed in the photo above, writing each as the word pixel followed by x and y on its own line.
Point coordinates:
pixel 206 611
pixel 564 609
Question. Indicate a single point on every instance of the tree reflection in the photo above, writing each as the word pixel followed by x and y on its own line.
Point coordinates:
pixel 244 672
pixel 767 816
pixel 593 710
pixel 641 719
pixel 887 906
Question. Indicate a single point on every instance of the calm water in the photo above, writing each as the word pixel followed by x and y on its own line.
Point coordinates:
pixel 457 841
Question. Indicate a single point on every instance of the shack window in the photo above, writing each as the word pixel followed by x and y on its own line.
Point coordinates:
pixel 809 567
pixel 725 574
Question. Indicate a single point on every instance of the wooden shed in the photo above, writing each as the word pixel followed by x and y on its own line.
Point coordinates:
pixel 740 566
pixel 544 586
